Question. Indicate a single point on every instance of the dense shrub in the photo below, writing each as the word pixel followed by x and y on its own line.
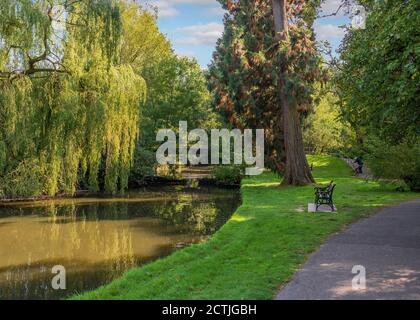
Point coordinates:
pixel 227 175
pixel 400 161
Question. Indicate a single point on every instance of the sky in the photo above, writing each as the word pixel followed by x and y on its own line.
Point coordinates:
pixel 193 26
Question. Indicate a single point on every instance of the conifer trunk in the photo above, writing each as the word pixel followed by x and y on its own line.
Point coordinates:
pixel 297 171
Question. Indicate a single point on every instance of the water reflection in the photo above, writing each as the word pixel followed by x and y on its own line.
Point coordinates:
pixel 96 240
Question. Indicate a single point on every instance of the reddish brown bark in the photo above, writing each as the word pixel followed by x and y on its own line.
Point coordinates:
pixel 297 171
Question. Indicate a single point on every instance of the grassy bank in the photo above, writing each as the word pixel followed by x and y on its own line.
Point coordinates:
pixel 262 245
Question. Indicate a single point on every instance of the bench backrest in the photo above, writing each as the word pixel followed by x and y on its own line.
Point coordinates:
pixel 331 188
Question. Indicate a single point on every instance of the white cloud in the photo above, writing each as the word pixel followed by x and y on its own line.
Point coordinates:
pixel 217 11
pixel 328 32
pixel 188 54
pixel 331 6
pixel 164 7
pixel 201 34
pixel 167 8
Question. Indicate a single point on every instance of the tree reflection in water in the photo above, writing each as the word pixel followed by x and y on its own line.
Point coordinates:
pixel 98 239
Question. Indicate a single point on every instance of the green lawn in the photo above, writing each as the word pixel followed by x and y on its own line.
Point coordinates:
pixel 261 246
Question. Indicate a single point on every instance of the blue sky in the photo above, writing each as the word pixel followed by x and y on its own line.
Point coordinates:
pixel 193 26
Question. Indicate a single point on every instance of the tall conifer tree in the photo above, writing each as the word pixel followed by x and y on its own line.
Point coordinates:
pixel 255 70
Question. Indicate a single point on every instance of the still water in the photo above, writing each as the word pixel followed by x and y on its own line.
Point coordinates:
pixel 98 239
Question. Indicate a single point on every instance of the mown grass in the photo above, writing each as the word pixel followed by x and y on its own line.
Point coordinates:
pixel 261 246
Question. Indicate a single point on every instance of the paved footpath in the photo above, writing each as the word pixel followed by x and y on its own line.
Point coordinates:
pixel 387 245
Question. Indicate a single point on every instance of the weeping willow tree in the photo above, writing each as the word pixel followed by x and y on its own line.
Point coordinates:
pixel 69 109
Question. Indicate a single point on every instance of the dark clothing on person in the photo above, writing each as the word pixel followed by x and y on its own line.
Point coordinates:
pixel 359 162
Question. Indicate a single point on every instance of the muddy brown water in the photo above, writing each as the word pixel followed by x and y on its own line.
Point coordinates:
pixel 97 239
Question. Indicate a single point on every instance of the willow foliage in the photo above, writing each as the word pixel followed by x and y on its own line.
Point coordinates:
pixel 69 110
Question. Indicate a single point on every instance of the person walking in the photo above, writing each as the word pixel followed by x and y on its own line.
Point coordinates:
pixel 359 165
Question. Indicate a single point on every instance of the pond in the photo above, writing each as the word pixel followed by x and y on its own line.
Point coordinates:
pixel 97 239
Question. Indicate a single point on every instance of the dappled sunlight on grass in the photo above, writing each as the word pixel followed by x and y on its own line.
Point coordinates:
pixel 319 161
pixel 239 218
pixel 259 185
pixel 264 207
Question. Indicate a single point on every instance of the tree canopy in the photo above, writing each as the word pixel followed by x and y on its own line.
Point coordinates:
pixel 68 106
pixel 378 86
pixel 246 67
pixel 74 80
pixel 379 74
